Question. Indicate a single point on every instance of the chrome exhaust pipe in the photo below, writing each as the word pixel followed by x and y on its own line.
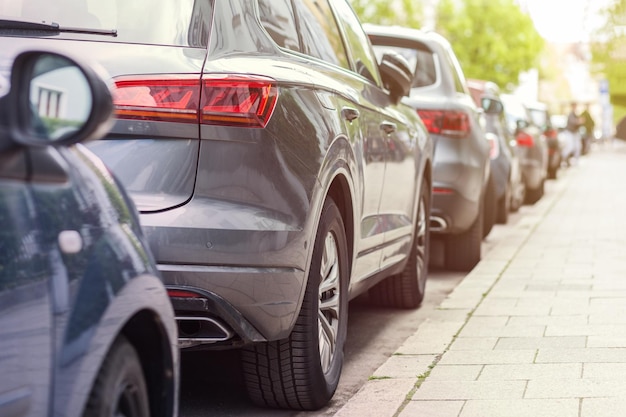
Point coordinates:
pixel 194 331
pixel 438 224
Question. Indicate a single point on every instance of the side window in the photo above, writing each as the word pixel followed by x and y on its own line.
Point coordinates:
pixel 277 18
pixel 319 32
pixel 358 43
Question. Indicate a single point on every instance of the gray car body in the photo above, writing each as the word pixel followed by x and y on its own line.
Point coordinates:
pixel 535 157
pixel 461 165
pixel 231 212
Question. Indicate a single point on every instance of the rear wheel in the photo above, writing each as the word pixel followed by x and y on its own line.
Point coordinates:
pixel 504 206
pixel 302 371
pixel 489 207
pixel 534 194
pixel 406 290
pixel 120 389
pixel 462 251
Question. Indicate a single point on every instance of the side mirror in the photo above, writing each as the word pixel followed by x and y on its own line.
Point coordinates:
pixel 397 75
pixel 521 124
pixel 54 101
pixel 491 105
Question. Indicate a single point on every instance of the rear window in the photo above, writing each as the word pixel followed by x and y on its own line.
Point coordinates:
pixel 421 62
pixel 161 22
pixel 539 118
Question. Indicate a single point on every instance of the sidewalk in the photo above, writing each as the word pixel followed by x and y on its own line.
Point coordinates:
pixel 538 328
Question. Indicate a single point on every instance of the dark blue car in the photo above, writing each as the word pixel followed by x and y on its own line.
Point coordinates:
pixel 86 326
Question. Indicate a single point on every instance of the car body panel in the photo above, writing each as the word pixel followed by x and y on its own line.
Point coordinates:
pixel 460 165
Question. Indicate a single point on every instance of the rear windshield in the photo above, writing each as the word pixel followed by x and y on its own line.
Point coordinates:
pixel 421 62
pixel 161 22
pixel 539 117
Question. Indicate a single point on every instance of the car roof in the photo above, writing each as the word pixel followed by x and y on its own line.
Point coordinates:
pixel 406 33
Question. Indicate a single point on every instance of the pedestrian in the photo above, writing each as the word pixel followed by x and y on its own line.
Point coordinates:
pixel 572 148
pixel 589 126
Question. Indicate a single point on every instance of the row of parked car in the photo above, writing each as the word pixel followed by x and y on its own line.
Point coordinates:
pixel 268 161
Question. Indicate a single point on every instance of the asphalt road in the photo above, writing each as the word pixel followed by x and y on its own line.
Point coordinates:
pixel 212 383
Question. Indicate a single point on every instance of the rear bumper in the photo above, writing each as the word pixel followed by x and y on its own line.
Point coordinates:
pixel 251 265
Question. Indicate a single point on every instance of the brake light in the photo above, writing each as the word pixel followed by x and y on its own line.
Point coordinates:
pixel 551 133
pixel 525 140
pixel 225 100
pixel 182 294
pixel 442 191
pixel 451 123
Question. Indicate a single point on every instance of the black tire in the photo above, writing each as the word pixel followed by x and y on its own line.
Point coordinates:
pixel 489 207
pixel 407 289
pixel 302 371
pixel 504 206
pixel 463 251
pixel 553 172
pixel 120 389
pixel 534 194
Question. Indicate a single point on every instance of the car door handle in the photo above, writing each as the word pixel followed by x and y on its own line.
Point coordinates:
pixel 350 113
pixel 388 127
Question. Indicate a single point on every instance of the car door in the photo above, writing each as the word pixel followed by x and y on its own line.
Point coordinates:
pixel 390 127
pixel 25 300
pixel 350 94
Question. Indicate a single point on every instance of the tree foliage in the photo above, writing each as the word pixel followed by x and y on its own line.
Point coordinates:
pixel 493 39
pixel 407 13
pixel 609 53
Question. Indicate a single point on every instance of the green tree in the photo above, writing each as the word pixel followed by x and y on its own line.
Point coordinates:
pixel 609 54
pixel 407 13
pixel 493 39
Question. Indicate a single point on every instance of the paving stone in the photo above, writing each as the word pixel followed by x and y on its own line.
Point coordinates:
pixel 521 408
pixel 480 357
pixel 531 371
pixel 378 398
pixel 405 366
pixel 466 390
pixel 574 388
pixel 566 342
pixel 432 409
pixel 604 407
pixel 455 372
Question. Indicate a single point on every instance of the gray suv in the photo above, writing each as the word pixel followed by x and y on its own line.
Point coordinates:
pixel 464 202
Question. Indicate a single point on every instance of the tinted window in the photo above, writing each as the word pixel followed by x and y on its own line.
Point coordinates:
pixel 421 62
pixel 277 18
pixel 164 22
pixel 358 43
pixel 319 32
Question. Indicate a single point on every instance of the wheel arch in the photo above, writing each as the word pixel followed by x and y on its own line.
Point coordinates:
pixel 149 338
pixel 339 191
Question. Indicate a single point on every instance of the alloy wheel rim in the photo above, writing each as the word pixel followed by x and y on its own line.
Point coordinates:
pixel 420 241
pixel 329 306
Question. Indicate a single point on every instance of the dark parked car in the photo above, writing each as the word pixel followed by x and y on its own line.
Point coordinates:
pixel 463 208
pixel 506 165
pixel 276 173
pixel 533 144
pixel 540 117
pixel 86 325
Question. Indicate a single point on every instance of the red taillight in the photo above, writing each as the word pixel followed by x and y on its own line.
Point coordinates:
pixel 452 123
pixel 442 191
pixel 524 139
pixel 182 294
pixel 226 100
pixel 551 133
